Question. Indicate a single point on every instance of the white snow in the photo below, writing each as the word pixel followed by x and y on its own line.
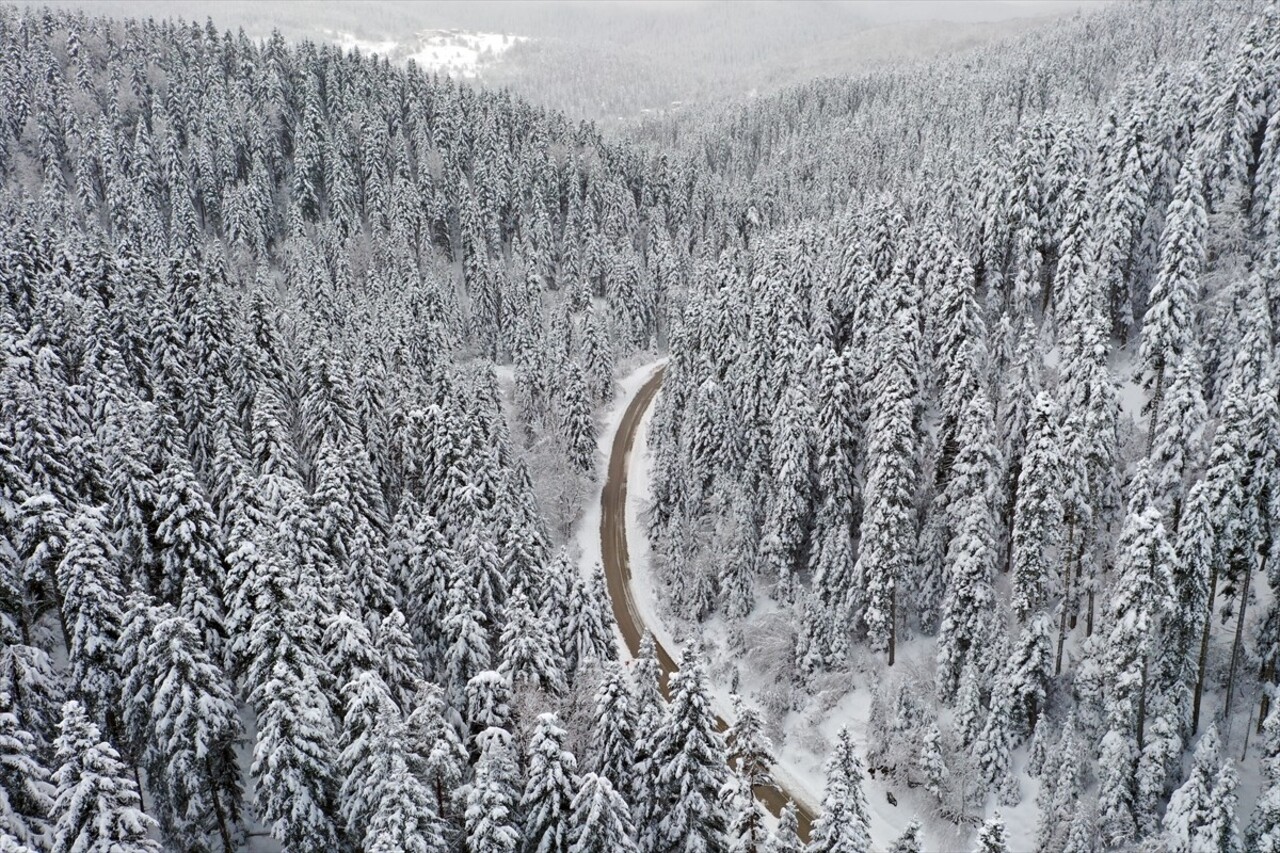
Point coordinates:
pixel 456 53
pixel 460 53
pixel 842 699
pixel 348 42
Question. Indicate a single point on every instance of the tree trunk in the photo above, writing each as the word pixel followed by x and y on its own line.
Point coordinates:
pixel 1142 705
pixel 1265 675
pixel 1062 619
pixel 1088 625
pixel 1156 393
pixel 217 808
pixel 1204 650
pixel 1239 638
pixel 893 622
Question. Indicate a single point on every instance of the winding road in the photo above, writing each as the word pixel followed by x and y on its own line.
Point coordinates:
pixel 617 570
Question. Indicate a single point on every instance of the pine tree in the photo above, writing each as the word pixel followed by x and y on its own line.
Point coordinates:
pixel 888 531
pixel 749 753
pixel 838 498
pixel 493 796
pixel 293 761
pixel 528 649
pixel 1263 832
pixel 787 837
pixel 842 827
pixel 589 627
pixel 1220 834
pixel 965 631
pixel 189 754
pixel 549 792
pixel 436 753
pixel 909 841
pixel 991 837
pixel 96 804
pixel 1142 594
pixel 600 822
pixel 1037 517
pixel 405 820
pixel 1189 809
pixel 688 757
pixel 577 424
pixel 785 541
pixel 370 726
pixel 91 614
pixel 1168 326
pixel 26 794
pixel 614 728
pixel 932 762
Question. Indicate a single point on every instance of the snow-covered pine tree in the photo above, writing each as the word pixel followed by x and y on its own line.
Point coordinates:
pixel 1037 514
pixel 600 822
pixel 189 754
pixel 991 836
pixel 888 530
pixel 784 545
pixel 528 651
pixel 965 633
pixel 1141 597
pixel 436 754
pixel 749 752
pixel 1263 831
pixel 842 827
pixel 909 841
pixel 96 804
pixel 493 796
pixel 614 728
pixel 550 788
pixel 1189 807
pixel 688 757
pixel 786 838
pixel 26 794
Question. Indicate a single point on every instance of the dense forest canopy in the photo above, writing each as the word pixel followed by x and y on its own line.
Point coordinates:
pixel 970 408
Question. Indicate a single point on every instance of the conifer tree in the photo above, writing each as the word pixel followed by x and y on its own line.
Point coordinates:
pixel 991 836
pixel 96 804
pixel 688 757
pixel 493 796
pixel 1037 516
pixel 749 751
pixel 787 837
pixel 615 727
pixel 888 532
pixel 549 792
pixel 600 822
pixel 909 841
pixel 842 825
pixel 965 631
pixel 26 794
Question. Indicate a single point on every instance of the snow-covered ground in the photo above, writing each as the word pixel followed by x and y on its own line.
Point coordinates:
pixel 457 53
pixel 806 735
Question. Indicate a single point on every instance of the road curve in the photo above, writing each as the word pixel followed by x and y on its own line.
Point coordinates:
pixel 617 568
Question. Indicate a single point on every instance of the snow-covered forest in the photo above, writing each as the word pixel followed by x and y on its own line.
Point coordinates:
pixel 964 474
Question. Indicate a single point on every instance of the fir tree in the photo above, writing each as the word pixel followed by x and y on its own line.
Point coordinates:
pixel 96 804
pixel 909 841
pixel 688 757
pixel 600 822
pixel 991 836
pixel 549 792
pixel 842 827
pixel 493 796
